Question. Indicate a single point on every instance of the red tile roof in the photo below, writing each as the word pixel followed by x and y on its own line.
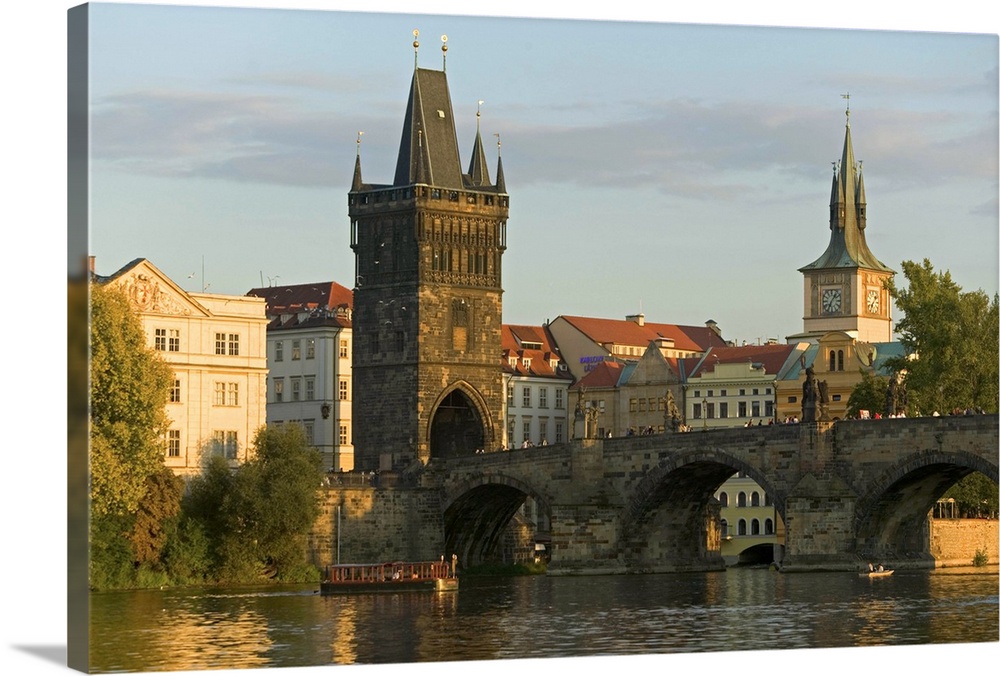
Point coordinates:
pixel 605 375
pixel 513 339
pixel 304 297
pixel 629 332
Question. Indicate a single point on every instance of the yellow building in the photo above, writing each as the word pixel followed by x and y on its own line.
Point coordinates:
pixel 216 346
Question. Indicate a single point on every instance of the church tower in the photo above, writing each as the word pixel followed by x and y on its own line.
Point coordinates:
pixel 427 295
pixel 845 287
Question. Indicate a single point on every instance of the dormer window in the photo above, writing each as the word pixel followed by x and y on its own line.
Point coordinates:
pixel 526 362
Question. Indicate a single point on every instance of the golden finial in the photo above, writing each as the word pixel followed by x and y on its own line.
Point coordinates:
pixel 360 134
pixel 416 46
pixel 498 143
pixel 444 52
pixel 848 97
pixel 479 112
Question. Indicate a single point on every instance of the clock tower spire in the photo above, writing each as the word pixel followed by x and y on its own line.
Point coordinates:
pixel 845 287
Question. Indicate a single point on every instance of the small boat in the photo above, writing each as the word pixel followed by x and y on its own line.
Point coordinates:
pixel 395 577
pixel 876 573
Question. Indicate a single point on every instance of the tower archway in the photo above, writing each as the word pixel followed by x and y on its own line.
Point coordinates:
pixel 458 424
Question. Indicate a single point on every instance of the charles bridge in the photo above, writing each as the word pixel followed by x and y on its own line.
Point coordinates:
pixel 847 492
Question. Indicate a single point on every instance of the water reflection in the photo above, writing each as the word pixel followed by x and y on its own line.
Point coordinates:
pixel 496 618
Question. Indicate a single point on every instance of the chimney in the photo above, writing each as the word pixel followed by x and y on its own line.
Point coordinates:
pixel 639 319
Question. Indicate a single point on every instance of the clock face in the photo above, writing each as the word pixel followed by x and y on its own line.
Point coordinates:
pixel 831 301
pixel 873 301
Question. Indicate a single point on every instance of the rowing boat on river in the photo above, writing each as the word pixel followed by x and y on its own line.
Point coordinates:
pixel 876 573
pixel 395 577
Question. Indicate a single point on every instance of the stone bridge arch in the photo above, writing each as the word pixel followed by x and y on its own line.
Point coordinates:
pixel 891 515
pixel 459 423
pixel 478 511
pixel 671 521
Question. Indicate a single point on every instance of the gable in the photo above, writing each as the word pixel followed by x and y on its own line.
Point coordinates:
pixel 151 292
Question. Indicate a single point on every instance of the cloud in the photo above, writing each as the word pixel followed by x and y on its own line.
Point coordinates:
pixel 734 150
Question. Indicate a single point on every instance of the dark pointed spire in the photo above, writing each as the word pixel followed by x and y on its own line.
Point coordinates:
pixel 848 218
pixel 357 183
pixel 428 137
pixel 501 185
pixel 479 173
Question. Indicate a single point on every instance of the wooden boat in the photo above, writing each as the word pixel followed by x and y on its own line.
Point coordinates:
pixel 394 577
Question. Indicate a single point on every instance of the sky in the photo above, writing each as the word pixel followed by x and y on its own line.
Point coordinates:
pixel 685 173
pixel 678 170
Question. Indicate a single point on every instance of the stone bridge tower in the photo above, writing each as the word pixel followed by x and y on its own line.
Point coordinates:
pixel 427 293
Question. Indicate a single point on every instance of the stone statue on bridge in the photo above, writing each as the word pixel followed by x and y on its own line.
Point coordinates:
pixel 810 393
pixel 671 414
pixel 895 396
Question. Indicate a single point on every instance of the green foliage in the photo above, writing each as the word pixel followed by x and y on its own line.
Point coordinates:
pixel 156 516
pixel 258 516
pixel 868 394
pixel 980 559
pixel 955 336
pixel 129 388
pixel 975 496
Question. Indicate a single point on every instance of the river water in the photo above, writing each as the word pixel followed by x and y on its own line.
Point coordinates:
pixel 493 618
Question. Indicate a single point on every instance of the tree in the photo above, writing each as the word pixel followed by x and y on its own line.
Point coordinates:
pixel 976 496
pixel 953 338
pixel 256 517
pixel 129 389
pixel 867 395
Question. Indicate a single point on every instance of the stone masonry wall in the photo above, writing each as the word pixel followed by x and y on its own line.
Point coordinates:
pixel 377 525
pixel 954 542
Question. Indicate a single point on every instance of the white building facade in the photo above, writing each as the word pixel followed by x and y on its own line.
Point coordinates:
pixel 309 358
pixel 215 345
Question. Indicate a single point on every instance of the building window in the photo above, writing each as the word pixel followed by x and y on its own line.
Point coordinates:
pixel 510 431
pixel 722 393
pixel 559 431
pixel 755 499
pixel 310 348
pixel 173 443
pixel 279 389
pixel 309 428
pixel 296 389
pixel 526 431
pixel 174 340
pixel 696 411
pixel 792 400
pixel 279 351
pixel 710 410
pixel 755 409
pixel 160 339
pixel 725 528
pixel 633 405
pixel 510 394
pixel 296 350
pixel 768 527
pixel 769 409
pixel 543 397
pixel 226 443
pixel 526 396
pixel 342 435
pixel 220 394
pixel 559 399
pixel 755 527
pixel 652 404
pixel 342 392
pixel 543 432
pixel 723 409
pixel 742 527
pixel 175 392
pixel 343 349
pixel 741 408
pixel 310 388
pixel 227 344
pixel 642 405
pixel 724 499
pixel 741 499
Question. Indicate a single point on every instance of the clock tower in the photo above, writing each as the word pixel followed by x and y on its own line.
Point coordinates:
pixel 845 287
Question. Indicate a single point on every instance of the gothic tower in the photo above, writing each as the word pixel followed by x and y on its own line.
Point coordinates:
pixel 845 287
pixel 427 294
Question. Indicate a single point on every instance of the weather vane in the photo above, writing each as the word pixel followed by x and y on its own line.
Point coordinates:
pixel 444 52
pixel 416 46
pixel 848 97
pixel 360 134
